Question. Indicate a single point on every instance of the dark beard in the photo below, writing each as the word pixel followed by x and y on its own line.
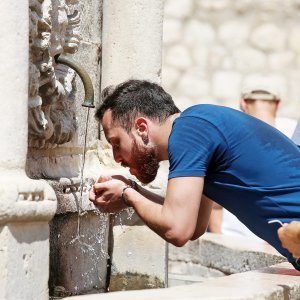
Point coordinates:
pixel 146 162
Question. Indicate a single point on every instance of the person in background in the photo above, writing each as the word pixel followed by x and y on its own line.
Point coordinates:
pixel 262 103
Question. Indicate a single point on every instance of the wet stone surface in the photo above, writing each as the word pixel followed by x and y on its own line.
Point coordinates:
pixel 134 281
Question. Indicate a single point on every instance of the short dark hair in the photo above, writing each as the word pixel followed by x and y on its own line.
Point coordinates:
pixel 133 97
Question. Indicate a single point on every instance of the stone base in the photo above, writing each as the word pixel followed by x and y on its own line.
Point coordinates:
pixel 79 258
pixel 24 261
pixel 139 259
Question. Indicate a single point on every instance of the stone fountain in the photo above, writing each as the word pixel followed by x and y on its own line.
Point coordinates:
pixel 49 230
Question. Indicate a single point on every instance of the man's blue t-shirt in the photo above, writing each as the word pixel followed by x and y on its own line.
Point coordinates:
pixel 250 168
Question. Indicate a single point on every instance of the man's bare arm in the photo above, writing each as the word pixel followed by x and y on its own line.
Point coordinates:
pixel 176 220
pixel 203 217
pixel 150 195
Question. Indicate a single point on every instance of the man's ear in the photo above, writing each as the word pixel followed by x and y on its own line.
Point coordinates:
pixel 142 128
pixel 141 125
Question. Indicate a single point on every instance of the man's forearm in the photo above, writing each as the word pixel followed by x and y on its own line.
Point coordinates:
pixel 173 218
pixel 148 206
pixel 150 195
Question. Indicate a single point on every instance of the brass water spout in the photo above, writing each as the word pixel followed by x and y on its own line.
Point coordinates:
pixel 86 80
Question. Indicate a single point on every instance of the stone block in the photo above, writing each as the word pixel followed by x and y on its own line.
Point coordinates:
pixel 243 6
pixel 24 259
pixel 169 77
pixel 217 56
pixel 192 269
pixel 196 32
pixel 226 84
pixel 178 56
pixel 200 54
pixel 282 60
pixel 248 59
pixel 188 253
pixel 178 9
pixel 213 5
pixel 54 163
pixel 193 84
pixel 268 37
pixel 139 259
pixel 132 35
pixel 235 255
pixel 294 37
pixel 172 31
pixel 78 253
pixel 91 21
pixel 234 33
pixel 13 83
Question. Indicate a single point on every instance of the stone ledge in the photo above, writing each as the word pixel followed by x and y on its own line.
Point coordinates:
pixel 227 254
pixel 236 254
pixel 215 255
pixel 277 282
pixel 23 199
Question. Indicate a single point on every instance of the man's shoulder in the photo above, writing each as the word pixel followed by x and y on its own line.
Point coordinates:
pixel 210 112
pixel 209 121
pixel 206 107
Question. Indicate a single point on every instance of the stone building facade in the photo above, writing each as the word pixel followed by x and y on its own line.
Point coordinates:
pixel 213 49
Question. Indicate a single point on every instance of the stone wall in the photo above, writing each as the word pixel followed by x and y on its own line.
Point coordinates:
pixel 212 48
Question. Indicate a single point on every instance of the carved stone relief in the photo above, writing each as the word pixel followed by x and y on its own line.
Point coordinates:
pixel 54 29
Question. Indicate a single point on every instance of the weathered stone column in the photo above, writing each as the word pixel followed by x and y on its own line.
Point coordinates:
pixel 26 205
pixel 131 41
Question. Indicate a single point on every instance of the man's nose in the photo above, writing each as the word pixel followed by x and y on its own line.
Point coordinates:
pixel 117 156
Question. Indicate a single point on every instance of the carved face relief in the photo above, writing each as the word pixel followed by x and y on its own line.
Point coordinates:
pixel 54 29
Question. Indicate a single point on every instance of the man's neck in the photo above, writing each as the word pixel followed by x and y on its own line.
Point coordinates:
pixel 161 137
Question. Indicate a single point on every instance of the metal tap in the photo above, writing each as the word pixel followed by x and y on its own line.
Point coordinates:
pixel 86 80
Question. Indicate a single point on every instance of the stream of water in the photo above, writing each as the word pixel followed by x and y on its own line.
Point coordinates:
pixel 90 240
